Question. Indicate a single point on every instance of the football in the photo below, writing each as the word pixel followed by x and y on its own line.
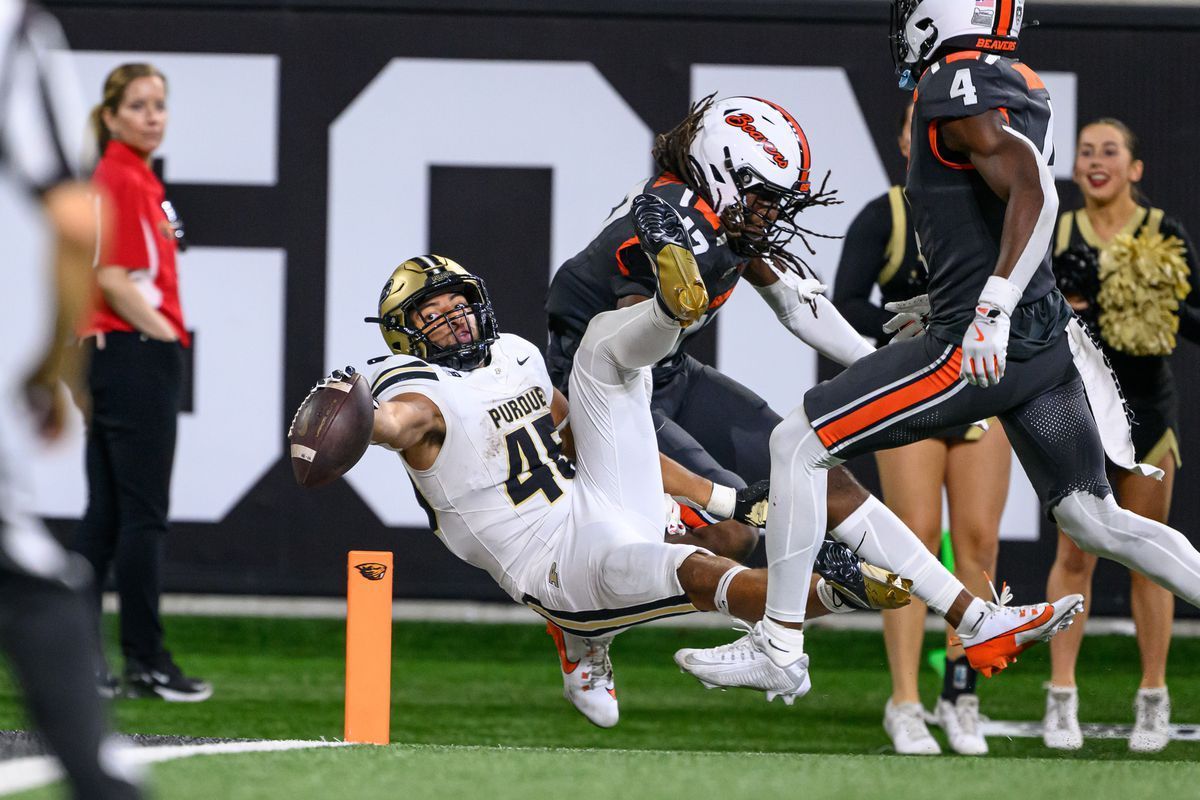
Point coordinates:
pixel 331 430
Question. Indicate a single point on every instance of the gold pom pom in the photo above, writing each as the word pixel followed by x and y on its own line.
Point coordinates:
pixel 1142 280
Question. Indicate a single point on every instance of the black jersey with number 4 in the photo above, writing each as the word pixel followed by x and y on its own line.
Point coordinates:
pixel 613 265
pixel 958 218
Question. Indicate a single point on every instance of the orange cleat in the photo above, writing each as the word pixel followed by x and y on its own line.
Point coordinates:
pixel 1002 631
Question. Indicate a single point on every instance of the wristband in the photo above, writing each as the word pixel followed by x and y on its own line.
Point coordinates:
pixel 1001 293
pixel 722 501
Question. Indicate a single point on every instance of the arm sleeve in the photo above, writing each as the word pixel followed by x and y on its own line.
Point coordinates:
pixel 858 269
pixel 43 113
pixel 1189 309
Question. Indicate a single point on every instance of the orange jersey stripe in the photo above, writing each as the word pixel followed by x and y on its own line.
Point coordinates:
pixel 933 145
pixel 720 299
pixel 882 407
pixel 666 179
pixel 1031 78
pixel 963 55
pixel 632 240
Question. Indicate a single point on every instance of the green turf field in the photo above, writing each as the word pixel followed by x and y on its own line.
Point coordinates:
pixel 477 709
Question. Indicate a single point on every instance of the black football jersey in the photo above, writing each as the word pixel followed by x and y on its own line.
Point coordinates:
pixel 957 217
pixel 613 265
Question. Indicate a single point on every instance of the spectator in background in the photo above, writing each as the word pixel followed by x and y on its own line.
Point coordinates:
pixel 44 623
pixel 1129 271
pixel 136 338
pixel 971 463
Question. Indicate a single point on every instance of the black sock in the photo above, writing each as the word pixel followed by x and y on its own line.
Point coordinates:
pixel 959 679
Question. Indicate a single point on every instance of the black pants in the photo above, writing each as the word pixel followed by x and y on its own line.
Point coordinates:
pixel 135 389
pixel 911 390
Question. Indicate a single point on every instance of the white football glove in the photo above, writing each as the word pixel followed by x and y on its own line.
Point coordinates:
pixel 807 289
pixel 912 316
pixel 985 344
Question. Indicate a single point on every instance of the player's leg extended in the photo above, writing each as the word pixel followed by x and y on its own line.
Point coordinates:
pixel 1056 439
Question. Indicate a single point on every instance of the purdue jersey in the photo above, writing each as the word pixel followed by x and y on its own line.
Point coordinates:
pixel 957 217
pixel 613 265
pixel 498 494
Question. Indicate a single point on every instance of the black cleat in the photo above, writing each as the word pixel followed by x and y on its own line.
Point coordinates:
pixel 164 679
pixel 660 231
pixel 858 583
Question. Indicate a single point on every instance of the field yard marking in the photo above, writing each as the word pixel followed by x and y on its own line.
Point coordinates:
pixel 32 772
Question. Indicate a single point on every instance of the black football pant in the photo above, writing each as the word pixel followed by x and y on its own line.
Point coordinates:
pixel 135 394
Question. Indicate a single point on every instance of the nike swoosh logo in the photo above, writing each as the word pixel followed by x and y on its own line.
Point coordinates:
pixel 777 647
pixel 568 666
pixel 978 334
pixel 521 361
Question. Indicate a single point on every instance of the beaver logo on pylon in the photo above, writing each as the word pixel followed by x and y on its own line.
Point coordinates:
pixel 372 570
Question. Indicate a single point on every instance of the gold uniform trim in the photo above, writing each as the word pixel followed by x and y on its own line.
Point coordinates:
pixel 896 245
pixel 616 621
pixel 1130 228
pixel 1168 443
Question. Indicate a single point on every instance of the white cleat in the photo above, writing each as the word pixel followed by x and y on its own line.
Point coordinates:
pixel 587 676
pixel 1152 720
pixel 743 664
pixel 1060 726
pixel 961 723
pixel 905 724
pixel 1001 631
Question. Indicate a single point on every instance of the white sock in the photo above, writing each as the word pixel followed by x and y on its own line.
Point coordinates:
pixel 796 524
pixel 784 645
pixel 875 533
pixel 971 618
pixel 721 596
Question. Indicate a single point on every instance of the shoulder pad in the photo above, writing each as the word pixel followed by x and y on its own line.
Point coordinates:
pixel 405 370
pixel 968 83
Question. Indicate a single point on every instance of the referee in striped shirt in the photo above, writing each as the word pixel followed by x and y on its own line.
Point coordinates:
pixel 45 625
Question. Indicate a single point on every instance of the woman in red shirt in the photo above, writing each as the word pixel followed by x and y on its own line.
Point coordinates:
pixel 136 337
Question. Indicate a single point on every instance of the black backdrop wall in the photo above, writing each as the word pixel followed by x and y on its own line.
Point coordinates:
pixel 278 539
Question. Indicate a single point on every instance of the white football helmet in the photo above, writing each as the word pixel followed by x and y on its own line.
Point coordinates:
pixel 745 142
pixel 920 28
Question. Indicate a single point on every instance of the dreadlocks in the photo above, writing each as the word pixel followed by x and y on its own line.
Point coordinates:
pixel 751 232
pixel 671 149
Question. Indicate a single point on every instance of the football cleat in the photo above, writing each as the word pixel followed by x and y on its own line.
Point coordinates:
pixel 962 724
pixel 744 664
pixel 1060 726
pixel 1000 632
pixel 858 583
pixel 588 677
pixel 905 725
pixel 660 231
pixel 1152 721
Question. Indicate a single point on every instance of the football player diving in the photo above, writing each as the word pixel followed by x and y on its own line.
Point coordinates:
pixel 484 437
pixel 999 339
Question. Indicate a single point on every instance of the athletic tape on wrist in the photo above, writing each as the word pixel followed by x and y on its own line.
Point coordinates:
pixel 722 501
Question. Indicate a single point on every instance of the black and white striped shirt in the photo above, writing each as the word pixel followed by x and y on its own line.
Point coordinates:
pixel 39 101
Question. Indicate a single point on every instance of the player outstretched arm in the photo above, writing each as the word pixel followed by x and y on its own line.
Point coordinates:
pixel 1013 168
pixel 411 423
pixel 802 308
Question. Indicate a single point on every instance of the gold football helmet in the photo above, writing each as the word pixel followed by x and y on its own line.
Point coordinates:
pixel 414 282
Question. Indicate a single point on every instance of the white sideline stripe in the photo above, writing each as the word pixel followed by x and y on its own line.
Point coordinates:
pixel 32 772
pixel 221 605
pixel 1090 730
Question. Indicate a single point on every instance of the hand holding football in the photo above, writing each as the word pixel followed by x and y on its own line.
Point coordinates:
pixel 331 429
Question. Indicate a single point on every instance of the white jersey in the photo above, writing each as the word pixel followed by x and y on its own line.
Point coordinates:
pixel 499 493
